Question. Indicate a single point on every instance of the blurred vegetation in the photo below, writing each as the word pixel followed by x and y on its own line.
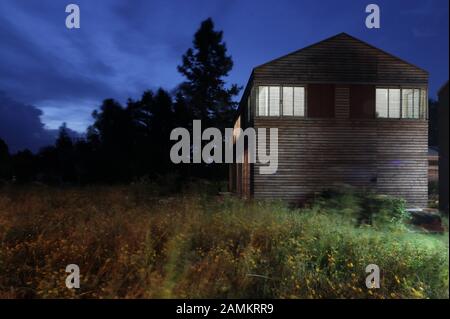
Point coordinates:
pixel 135 242
pixel 433 194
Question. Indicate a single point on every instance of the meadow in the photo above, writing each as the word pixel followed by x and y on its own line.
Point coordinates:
pixel 135 242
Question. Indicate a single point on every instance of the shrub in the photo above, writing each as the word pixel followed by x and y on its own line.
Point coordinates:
pixel 363 207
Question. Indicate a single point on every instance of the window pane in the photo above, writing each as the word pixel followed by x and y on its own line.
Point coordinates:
pixel 274 103
pixel 423 104
pixel 394 103
pixel 381 102
pixel 288 100
pixel 407 103
pixel 299 101
pixel 416 103
pixel 263 101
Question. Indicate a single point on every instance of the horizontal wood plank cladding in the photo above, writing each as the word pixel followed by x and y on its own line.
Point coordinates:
pixel 340 59
pixel 388 156
pixel 341 104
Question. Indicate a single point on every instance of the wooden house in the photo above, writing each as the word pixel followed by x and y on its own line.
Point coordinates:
pixel 347 113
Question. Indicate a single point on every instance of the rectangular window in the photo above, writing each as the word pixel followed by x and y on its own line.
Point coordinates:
pixel 423 104
pixel 288 100
pixel 416 103
pixel 274 100
pixel 299 101
pixel 407 103
pixel 277 100
pixel 293 101
pixel 269 101
pixel 263 101
pixel 381 99
pixel 394 103
pixel 400 103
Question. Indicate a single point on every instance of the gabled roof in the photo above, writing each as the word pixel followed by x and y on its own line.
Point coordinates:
pixel 342 38
pixel 341 58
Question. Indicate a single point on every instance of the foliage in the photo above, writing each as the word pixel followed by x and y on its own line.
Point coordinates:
pixel 364 207
pixel 433 194
pixel 130 244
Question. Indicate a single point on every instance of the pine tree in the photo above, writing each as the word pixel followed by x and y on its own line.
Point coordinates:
pixel 205 66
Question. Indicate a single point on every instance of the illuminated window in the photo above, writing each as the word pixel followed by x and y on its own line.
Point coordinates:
pixel 274 100
pixel 293 101
pixel 401 103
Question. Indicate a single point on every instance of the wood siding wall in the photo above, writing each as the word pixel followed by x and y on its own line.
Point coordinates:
pixel 388 156
pixel 342 102
pixel 340 59
pixel 341 141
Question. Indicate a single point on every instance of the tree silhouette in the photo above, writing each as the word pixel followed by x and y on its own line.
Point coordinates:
pixel 24 166
pixel 162 123
pixel 5 161
pixel 433 126
pixel 65 153
pixel 204 66
pixel 127 142
pixel 112 128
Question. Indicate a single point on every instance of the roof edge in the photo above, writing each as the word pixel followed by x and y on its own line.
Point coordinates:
pixel 335 36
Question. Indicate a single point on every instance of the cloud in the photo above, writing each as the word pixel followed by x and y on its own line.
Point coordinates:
pixel 21 126
pixel 117 53
pixel 37 72
pixel 126 47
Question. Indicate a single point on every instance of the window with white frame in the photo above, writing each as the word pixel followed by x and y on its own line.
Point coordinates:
pixel 401 103
pixel 263 101
pixel 293 101
pixel 274 100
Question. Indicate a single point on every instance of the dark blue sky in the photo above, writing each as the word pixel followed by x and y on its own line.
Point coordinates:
pixel 125 47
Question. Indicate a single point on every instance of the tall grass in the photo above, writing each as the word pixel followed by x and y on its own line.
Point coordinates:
pixel 129 244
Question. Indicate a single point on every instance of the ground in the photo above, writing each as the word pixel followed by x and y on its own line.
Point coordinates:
pixel 134 242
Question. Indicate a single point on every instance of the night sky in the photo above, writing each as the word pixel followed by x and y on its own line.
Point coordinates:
pixel 50 75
